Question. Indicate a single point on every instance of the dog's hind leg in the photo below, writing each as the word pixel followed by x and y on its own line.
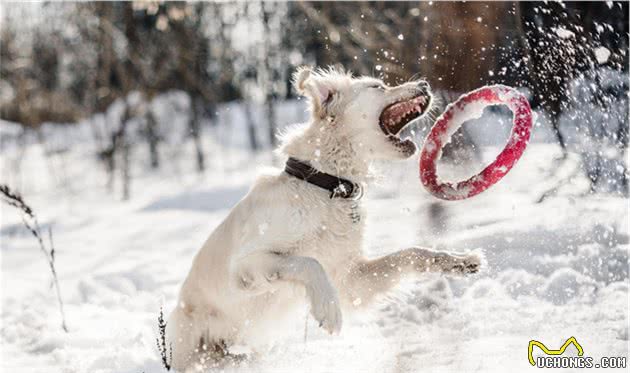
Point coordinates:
pixel 186 333
pixel 259 271
pixel 190 343
pixel 370 277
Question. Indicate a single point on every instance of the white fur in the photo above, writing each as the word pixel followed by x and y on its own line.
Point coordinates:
pixel 287 240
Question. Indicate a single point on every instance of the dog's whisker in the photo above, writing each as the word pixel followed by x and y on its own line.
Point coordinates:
pixel 414 77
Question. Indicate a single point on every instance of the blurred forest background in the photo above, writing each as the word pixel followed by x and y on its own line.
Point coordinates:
pixel 68 64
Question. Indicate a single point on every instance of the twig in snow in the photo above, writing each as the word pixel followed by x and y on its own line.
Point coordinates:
pixel 552 191
pixel 30 222
pixel 165 353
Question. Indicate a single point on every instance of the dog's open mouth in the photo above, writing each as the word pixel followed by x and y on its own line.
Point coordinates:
pixel 395 117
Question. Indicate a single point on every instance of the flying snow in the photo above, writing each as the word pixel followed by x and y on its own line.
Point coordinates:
pixel 602 54
pixel 563 33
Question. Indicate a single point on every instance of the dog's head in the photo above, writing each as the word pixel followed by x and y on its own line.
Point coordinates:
pixel 364 110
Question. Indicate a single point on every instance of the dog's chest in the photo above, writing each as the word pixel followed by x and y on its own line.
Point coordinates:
pixel 339 236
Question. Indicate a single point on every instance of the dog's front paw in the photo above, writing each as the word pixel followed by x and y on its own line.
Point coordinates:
pixel 325 309
pixel 468 264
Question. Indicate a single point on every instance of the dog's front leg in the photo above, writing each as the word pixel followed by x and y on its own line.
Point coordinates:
pixel 369 278
pixel 258 272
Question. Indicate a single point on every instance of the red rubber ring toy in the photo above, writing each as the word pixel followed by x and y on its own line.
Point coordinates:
pixel 453 118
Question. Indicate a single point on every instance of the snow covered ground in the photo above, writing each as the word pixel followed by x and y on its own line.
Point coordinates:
pixel 555 270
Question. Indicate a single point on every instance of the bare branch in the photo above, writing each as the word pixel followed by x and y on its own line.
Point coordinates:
pixel 30 222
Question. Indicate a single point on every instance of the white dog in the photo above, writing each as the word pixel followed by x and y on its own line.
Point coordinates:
pixel 298 233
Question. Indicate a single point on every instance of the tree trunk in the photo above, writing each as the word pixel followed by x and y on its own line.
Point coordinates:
pixel 251 128
pixel 271 120
pixel 268 77
pixel 552 93
pixel 126 174
pixel 153 139
pixel 123 144
pixel 195 132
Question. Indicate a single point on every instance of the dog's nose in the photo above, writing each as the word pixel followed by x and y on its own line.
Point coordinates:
pixel 424 86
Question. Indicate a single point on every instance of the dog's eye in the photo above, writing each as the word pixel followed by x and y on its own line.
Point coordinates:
pixel 378 86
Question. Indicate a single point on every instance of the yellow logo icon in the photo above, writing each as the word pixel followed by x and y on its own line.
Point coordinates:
pixel 547 351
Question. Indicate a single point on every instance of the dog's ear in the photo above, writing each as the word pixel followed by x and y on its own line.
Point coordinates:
pixel 320 91
pixel 300 76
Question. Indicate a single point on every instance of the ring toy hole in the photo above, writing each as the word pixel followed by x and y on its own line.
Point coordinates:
pixel 467 107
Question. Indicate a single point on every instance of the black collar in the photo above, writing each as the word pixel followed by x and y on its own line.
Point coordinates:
pixel 337 186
